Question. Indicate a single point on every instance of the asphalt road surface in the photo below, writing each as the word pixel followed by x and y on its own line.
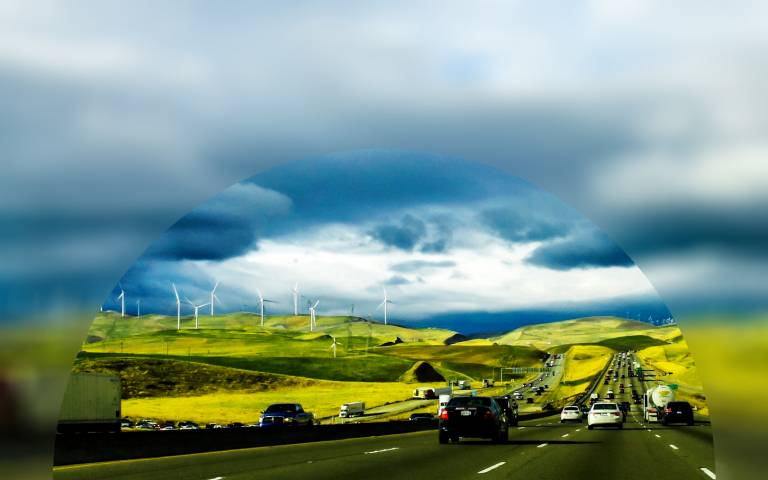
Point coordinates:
pixel 537 449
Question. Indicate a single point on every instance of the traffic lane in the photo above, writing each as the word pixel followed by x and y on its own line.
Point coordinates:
pixel 600 453
pixel 268 462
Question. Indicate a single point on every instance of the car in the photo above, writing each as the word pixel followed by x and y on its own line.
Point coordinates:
pixel 571 413
pixel 213 425
pixel 285 414
pixel 584 410
pixel 529 400
pixel 605 414
pixel 677 412
pixel 236 425
pixel 126 423
pixel 624 407
pixel 518 396
pixel 621 385
pixel 188 425
pixel 422 418
pixel 147 425
pixel 473 417
pixel 609 395
pixel 510 409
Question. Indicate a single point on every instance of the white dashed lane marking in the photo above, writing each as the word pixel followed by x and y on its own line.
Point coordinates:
pixel 384 450
pixel 542 445
pixel 708 472
pixel 565 435
pixel 486 470
pixel 673 447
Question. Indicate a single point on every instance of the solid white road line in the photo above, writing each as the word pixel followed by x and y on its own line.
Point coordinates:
pixel 384 450
pixel 486 470
pixel 542 445
pixel 708 472
pixel 673 447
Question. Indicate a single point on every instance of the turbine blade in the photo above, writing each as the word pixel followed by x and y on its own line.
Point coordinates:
pixel 215 287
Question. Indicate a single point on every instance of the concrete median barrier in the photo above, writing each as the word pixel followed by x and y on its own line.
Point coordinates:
pixel 99 447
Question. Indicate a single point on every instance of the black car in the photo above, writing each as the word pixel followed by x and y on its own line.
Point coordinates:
pixel 510 408
pixel 422 418
pixel 677 412
pixel 473 417
pixel 584 410
pixel 624 407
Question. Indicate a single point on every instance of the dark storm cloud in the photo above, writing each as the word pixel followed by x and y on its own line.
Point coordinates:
pixel 225 226
pixel 403 235
pixel 517 226
pixel 584 250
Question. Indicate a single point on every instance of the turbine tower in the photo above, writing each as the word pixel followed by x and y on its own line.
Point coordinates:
pixel 262 300
pixel 138 307
pixel 197 310
pixel 214 297
pixel 313 317
pixel 295 299
pixel 384 304
pixel 121 297
pixel 178 307
pixel 333 346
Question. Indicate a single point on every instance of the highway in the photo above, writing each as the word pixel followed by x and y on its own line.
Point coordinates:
pixel 537 449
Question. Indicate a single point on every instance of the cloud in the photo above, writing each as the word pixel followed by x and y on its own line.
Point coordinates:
pixel 583 250
pixel 225 226
pixel 421 265
pixel 404 235
pixel 517 226
pixel 397 280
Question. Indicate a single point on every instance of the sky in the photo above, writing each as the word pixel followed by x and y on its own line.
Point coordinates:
pixel 649 118
pixel 453 243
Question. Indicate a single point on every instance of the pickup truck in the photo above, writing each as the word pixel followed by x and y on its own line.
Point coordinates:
pixel 285 414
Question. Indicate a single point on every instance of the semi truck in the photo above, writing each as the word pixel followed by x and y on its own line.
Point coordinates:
pixel 352 409
pixel 91 404
pixel 655 400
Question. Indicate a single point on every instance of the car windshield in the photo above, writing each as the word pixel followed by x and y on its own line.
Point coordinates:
pixel 604 406
pixel 470 402
pixel 282 407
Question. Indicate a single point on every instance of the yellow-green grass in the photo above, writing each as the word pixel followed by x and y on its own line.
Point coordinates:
pixel 323 398
pixel 582 364
pixel 587 330
pixel 674 364
pixel 490 355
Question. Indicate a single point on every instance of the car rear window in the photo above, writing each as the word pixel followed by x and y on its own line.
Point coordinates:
pixel 679 405
pixel 572 409
pixel 470 402
pixel 604 406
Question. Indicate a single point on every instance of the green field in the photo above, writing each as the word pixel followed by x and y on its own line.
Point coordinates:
pixel 231 366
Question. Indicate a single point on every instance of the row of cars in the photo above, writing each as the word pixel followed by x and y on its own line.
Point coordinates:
pixel 277 414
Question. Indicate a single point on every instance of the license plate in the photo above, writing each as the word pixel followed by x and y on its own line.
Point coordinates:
pixel 465 413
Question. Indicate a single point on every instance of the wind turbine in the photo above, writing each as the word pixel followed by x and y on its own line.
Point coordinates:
pixel 121 297
pixel 384 304
pixel 178 307
pixel 262 300
pixel 214 297
pixel 333 346
pixel 197 309
pixel 295 299
pixel 312 317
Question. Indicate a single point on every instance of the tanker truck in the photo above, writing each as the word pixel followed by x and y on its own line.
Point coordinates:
pixel 655 400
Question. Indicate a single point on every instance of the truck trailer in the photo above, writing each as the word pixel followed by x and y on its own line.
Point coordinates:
pixel 655 400
pixel 91 404
pixel 352 409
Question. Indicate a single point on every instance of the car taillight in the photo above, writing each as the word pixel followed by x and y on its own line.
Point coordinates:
pixel 489 415
pixel 443 414
pixel 668 410
pixel 617 413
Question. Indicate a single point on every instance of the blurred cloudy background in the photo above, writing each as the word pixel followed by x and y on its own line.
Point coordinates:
pixel 650 118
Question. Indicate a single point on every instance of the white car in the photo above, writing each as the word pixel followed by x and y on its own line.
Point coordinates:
pixel 607 414
pixel 570 413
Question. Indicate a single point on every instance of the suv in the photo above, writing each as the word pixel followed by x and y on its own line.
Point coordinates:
pixel 473 417
pixel 289 414
pixel 677 412
pixel 603 413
